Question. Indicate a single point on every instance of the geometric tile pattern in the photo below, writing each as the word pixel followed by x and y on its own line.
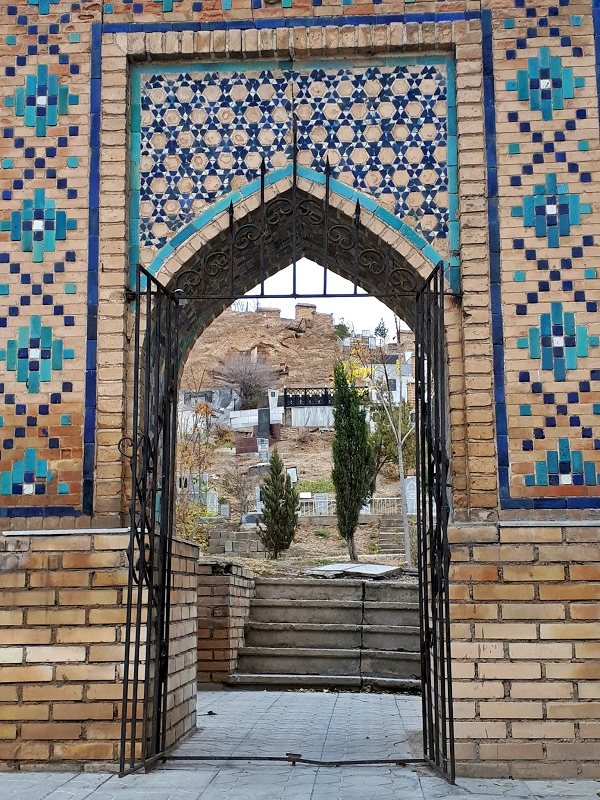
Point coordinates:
pixel 384 129
pixel 38 225
pixel 41 100
pixel 34 354
pixel 546 83
pixel 553 380
pixel 43 167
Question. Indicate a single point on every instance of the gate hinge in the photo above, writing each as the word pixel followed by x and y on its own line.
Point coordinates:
pixel 130 295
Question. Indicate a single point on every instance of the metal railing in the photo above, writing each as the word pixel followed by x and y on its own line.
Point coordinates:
pixel 294 398
pixel 381 506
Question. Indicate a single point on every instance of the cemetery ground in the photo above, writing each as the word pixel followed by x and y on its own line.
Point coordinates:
pixel 319 725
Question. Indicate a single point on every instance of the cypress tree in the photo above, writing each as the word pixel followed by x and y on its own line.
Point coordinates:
pixel 353 457
pixel 280 513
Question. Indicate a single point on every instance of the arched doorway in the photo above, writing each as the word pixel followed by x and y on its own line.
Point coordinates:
pixel 303 219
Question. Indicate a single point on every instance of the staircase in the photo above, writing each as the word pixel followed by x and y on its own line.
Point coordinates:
pixel 331 633
pixel 391 537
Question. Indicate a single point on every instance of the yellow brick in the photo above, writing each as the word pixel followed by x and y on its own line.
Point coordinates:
pixel 565 630
pixel 480 730
pixel 502 591
pixel 530 535
pixel 574 711
pixel 533 611
pixel 55 654
pixel 540 650
pixel 534 573
pixel 11 655
pixel 543 690
pixel 541 730
pixel 503 553
pixel 508 630
pixel 510 710
pixel 25 674
pixel 504 670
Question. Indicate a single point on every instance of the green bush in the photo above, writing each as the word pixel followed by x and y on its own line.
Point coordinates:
pixel 324 485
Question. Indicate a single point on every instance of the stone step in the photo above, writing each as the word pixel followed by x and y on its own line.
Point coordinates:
pixel 391 614
pixel 290 634
pixel 283 681
pixel 334 612
pixel 385 664
pixel 308 589
pixel 392 638
pixel 284 634
pixel 299 661
pixel 391 592
pixel 337 590
pixel 307 611
pixel 322 661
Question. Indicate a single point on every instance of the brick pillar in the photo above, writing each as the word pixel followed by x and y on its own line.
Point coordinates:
pixel 224 594
pixel 526 650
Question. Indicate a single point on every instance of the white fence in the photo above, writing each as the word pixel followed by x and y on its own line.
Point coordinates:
pixel 381 506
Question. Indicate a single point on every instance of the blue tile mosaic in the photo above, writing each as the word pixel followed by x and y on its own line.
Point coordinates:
pixel 201 133
pixel 559 341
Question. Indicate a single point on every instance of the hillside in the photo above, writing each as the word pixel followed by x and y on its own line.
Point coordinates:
pixel 304 349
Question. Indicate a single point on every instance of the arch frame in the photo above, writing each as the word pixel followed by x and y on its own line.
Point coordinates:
pixel 475 484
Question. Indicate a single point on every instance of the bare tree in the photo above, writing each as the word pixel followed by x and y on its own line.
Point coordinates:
pixel 238 486
pixel 394 415
pixel 248 378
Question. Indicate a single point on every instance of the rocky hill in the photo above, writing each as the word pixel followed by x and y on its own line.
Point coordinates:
pixel 303 349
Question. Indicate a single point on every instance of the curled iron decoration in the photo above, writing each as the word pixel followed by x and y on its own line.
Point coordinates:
pixel 371 260
pixel 246 236
pixel 125 446
pixel 343 237
pixel 215 263
pixel 277 211
pixel 312 210
pixel 402 280
pixel 189 282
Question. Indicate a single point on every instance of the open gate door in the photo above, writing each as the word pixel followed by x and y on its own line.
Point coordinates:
pixel 432 525
pixel 153 438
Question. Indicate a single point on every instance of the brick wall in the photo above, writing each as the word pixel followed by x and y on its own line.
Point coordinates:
pixel 224 594
pixel 62 616
pixel 526 650
pixel 181 699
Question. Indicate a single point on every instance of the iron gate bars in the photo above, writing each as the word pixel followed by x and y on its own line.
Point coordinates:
pixel 152 445
pixel 297 224
pixel 432 525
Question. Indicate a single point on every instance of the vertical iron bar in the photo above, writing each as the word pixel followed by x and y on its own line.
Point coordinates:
pixel 263 223
pixel 445 544
pixel 326 225
pixel 356 245
pixel 145 532
pixel 420 532
pixel 294 185
pixel 132 537
pixel 231 247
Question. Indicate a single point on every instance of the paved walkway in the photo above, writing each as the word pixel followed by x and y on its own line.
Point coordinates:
pixel 318 725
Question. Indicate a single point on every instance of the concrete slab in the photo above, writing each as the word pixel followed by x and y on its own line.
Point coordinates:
pixel 324 725
pixel 354 570
pixel 373 571
pixel 330 570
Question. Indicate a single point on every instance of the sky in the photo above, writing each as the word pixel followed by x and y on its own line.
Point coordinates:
pixel 360 313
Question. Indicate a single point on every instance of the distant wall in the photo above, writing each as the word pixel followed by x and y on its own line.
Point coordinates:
pixel 224 594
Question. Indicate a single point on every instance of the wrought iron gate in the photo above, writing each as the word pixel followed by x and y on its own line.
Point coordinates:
pixel 296 224
pixel 154 418
pixel 432 524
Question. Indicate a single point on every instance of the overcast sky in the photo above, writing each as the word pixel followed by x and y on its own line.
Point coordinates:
pixel 362 313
